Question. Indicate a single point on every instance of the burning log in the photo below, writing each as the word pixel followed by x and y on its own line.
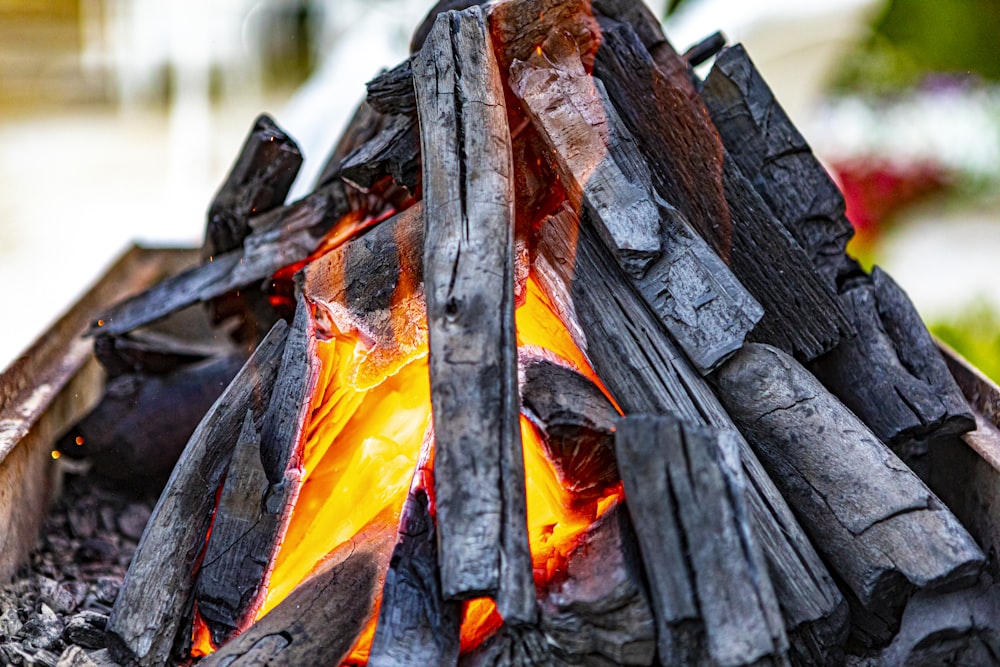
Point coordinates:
pixel 393 152
pixel 714 603
pixel 880 528
pixel 318 623
pixel 468 269
pixel 646 374
pixel 577 424
pixel 156 596
pixel 699 300
pixel 258 182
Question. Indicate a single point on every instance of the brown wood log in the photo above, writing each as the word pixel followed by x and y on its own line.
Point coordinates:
pixel 768 148
pixel 258 181
pixel 713 599
pixel 468 274
pixel 146 625
pixel 880 528
pixel 416 625
pixel 645 373
pixel 320 621
pixel 696 296
pixel 577 423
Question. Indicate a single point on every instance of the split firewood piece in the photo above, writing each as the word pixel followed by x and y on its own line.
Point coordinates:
pixel 801 313
pixel 320 621
pixel 876 523
pixel 258 181
pixel 393 152
pixel 391 91
pixel 712 597
pixel 153 610
pixel 646 374
pixel 416 625
pixel 891 374
pixel 688 286
pixel 577 423
pixel 770 150
pixel 469 283
pixel 599 612
pixel 365 125
pixel 673 130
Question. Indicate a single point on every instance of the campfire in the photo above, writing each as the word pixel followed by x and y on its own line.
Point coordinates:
pixel 562 362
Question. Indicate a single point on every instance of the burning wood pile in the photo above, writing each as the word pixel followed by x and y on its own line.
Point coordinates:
pixel 562 362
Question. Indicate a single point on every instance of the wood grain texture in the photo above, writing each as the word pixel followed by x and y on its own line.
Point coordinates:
pixel 469 284
pixel 880 528
pixel 713 599
pixel 145 625
pixel 689 287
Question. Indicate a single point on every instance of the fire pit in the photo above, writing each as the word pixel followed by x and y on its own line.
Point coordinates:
pixel 562 362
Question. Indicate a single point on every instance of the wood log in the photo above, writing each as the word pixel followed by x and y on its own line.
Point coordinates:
pixel 577 424
pixel 770 150
pixel 364 125
pixel 696 296
pixel 394 152
pixel 599 612
pixel 880 528
pixel 468 274
pixel 146 625
pixel 645 373
pixel 258 181
pixel 391 92
pixel 673 133
pixel 801 313
pixel 416 625
pixel 713 599
pixel 320 621
pixel 891 374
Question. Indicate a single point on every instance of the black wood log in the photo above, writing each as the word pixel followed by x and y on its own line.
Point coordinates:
pixel 391 91
pixel 713 599
pixel 364 125
pixel 416 625
pixel 146 626
pixel 320 621
pixel 689 287
pixel 880 528
pixel 258 181
pixel 645 373
pixel 468 273
pixel 393 152
pixel 782 168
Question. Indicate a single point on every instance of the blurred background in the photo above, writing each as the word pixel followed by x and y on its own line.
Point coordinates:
pixel 119 119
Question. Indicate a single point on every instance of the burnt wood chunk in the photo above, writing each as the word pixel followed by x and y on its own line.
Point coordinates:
pixel 775 156
pixel 599 613
pixel 712 597
pixel 802 314
pixel 258 181
pixel 416 626
pixel 674 133
pixel 147 624
pixel 688 286
pixel 469 283
pixel 391 92
pixel 320 621
pixel 880 528
pixel 576 421
pixel 645 373
pixel 237 552
pixel 364 125
pixel 393 152
pixel 891 374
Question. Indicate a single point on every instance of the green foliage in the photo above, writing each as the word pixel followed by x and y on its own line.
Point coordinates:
pixel 974 334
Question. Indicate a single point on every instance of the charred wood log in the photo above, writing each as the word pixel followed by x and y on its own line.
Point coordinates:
pixel 152 352
pixel 713 600
pixel 365 125
pixel 469 284
pixel 258 181
pixel 577 423
pixel 391 92
pixel 320 621
pixel 774 155
pixel 696 296
pixel 707 48
pixel 393 152
pixel 673 133
pixel 645 373
pixel 416 625
pixel 146 626
pixel 884 532
pixel 891 374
